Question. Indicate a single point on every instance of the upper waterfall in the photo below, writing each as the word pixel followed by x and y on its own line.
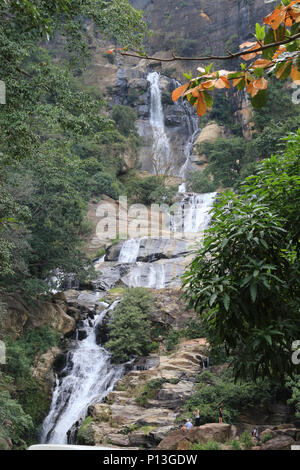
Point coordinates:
pixel 161 160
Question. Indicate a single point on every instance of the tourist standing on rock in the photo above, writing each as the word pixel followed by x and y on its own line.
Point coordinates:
pixel 221 413
pixel 197 417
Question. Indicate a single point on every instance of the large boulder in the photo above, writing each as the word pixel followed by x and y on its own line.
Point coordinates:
pixel 282 442
pixel 181 439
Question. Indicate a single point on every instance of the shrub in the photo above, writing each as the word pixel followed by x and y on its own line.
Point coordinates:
pixel 209 445
pixel 235 445
pixel 149 391
pixel 266 438
pixel 124 117
pixel 14 423
pixel 85 434
pixel 199 182
pixel 236 396
pixel 130 329
pixel 246 440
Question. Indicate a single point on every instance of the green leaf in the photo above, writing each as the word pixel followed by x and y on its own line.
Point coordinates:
pixel 260 99
pixel 269 39
pixel 253 292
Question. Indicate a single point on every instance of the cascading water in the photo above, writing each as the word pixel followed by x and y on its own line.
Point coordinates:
pixel 88 377
pixel 193 215
pixel 161 160
pixel 192 124
pixel 129 251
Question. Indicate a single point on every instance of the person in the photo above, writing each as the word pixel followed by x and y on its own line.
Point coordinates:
pixel 69 436
pixel 197 417
pixel 221 413
pixel 188 425
pixel 255 434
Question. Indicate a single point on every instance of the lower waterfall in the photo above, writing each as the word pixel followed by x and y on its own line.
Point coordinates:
pixel 87 376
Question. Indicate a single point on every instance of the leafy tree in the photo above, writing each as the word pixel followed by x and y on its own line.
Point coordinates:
pixel 245 278
pixel 199 182
pixel 130 329
pixel 50 128
pixel 125 118
pixel 236 396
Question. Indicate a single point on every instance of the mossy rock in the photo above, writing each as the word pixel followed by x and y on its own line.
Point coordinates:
pixel 86 435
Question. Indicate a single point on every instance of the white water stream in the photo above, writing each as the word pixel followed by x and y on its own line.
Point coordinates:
pixel 90 376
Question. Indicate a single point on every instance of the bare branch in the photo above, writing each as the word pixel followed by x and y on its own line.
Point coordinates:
pixel 211 57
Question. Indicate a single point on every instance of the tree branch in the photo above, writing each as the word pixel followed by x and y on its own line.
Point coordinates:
pixel 211 57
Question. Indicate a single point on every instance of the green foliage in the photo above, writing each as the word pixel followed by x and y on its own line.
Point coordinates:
pixel 245 279
pixel 235 445
pixel 246 440
pixel 130 329
pixel 266 438
pixel 20 355
pixel 172 340
pixel 125 118
pixel 58 147
pixel 149 391
pixel 149 190
pixel 85 433
pixel 294 387
pixel 22 352
pixel 199 182
pixel 209 445
pixel 232 159
pixel 236 396
pixel 14 423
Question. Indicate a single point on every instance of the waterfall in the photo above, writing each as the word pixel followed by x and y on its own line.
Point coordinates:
pixel 129 251
pixel 161 160
pixel 87 377
pixel 193 214
pixel 192 124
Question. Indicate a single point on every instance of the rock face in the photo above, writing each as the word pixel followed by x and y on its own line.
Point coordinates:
pixel 121 420
pixel 132 89
pixel 41 312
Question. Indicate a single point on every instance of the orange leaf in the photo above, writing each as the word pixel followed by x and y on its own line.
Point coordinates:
pixel 226 81
pixel 236 81
pixel 251 90
pixel 282 69
pixel 247 44
pixel 220 84
pixel 275 18
pixel 179 91
pixel 110 51
pixel 261 84
pixel 192 91
pixel 207 85
pixel 262 63
pixel 201 105
pixel 295 75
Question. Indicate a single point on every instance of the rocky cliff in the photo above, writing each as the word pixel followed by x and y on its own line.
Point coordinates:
pixel 198 27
